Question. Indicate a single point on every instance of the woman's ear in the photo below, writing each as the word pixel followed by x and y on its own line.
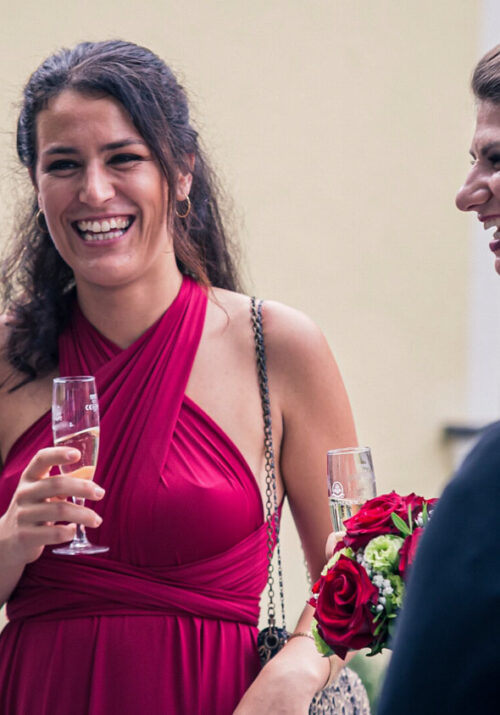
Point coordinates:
pixel 184 181
pixel 184 186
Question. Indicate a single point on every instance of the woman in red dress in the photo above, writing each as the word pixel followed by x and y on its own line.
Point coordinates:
pixel 122 270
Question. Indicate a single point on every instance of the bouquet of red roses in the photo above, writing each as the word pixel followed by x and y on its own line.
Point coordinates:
pixel 360 590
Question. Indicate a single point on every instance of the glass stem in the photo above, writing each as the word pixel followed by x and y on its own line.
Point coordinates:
pixel 80 538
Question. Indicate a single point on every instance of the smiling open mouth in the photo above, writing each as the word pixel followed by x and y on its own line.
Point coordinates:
pixel 103 230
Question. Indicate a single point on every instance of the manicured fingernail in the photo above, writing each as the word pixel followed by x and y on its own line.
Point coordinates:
pixel 98 520
pixel 73 453
pixel 99 491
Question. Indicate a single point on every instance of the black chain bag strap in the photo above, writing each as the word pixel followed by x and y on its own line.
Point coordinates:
pixel 272 638
pixel 347 695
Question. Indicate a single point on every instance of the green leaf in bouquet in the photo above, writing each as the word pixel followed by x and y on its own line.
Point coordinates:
pixel 321 646
pixel 410 520
pixel 400 524
pixel 425 514
pixel 377 647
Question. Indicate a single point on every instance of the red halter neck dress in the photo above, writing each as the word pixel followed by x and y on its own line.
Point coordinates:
pixel 166 622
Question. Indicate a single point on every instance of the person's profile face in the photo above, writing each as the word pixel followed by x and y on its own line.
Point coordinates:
pixel 101 190
pixel 481 190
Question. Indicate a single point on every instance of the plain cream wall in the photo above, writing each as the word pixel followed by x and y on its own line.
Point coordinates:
pixel 340 128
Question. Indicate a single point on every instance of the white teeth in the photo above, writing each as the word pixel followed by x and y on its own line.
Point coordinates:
pixel 102 236
pixel 104 226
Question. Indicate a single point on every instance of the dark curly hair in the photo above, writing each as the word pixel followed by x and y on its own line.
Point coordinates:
pixel 39 286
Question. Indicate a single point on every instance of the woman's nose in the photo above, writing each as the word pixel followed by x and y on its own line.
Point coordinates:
pixel 96 187
pixel 473 193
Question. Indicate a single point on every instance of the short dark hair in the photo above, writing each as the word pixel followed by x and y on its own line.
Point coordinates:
pixel 38 285
pixel 486 77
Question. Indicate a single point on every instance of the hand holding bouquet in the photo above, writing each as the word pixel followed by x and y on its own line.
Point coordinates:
pixel 361 588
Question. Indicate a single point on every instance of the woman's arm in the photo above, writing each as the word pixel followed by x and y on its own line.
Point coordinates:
pixel 308 396
pixel 316 417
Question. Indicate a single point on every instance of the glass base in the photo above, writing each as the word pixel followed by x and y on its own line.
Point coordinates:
pixel 76 548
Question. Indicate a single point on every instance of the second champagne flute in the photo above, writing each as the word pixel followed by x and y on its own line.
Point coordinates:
pixel 351 482
pixel 75 423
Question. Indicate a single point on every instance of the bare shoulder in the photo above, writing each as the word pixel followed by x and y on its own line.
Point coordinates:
pixel 300 361
pixel 228 315
pixel 285 328
pixel 290 335
pixel 235 306
pixel 296 349
pixel 291 331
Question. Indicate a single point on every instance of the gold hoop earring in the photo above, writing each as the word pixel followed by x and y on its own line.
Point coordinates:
pixel 40 221
pixel 186 212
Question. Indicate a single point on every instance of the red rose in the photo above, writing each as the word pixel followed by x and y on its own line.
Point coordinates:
pixel 408 551
pixel 414 501
pixel 343 613
pixel 374 518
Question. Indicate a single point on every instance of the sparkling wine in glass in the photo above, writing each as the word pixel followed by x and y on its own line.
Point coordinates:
pixel 351 482
pixel 75 423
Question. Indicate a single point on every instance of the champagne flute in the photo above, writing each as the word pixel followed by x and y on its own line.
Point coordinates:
pixel 75 423
pixel 351 482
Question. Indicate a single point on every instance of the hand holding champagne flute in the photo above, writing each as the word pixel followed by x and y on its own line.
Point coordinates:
pixel 351 482
pixel 75 423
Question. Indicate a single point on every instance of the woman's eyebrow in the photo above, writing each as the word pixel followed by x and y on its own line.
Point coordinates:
pixel 122 143
pixel 59 150
pixel 105 147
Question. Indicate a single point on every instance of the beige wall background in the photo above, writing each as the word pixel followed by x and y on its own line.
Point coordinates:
pixel 340 129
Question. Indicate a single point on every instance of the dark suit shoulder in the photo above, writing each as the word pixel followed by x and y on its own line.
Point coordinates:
pixel 446 657
pixel 478 477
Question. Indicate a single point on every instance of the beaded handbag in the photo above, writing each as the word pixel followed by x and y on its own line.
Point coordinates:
pixel 346 695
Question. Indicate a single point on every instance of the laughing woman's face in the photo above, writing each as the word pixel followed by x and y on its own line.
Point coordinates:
pixel 102 192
